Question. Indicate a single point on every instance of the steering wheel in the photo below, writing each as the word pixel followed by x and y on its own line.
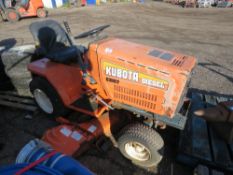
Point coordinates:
pixel 92 32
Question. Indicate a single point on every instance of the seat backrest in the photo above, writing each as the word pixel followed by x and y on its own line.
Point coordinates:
pixel 24 3
pixel 2 5
pixel 8 3
pixel 49 36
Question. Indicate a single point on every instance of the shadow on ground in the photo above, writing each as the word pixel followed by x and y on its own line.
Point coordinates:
pixel 215 68
pixel 5 82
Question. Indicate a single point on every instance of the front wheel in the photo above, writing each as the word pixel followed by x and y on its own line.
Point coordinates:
pixel 142 145
pixel 12 15
pixel 42 13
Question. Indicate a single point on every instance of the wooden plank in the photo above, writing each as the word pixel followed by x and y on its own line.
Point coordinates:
pixel 214 172
pixel 18 105
pixel 220 153
pixel 200 142
pixel 225 130
pixel 17 99
pixel 231 149
pixel 204 170
pixel 230 146
pixel 14 93
pixel 187 159
pixel 185 146
pixel 210 101
pixel 185 143
pixel 194 144
pixel 9 92
pixel 201 170
pixel 221 99
pixel 220 150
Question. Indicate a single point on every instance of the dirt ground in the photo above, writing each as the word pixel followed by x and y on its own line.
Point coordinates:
pixel 203 33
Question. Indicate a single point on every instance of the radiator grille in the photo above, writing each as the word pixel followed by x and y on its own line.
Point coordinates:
pixel 135 97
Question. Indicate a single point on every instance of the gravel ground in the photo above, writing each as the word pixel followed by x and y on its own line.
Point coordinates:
pixel 203 33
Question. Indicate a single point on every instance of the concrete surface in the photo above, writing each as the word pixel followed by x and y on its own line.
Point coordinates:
pixel 204 33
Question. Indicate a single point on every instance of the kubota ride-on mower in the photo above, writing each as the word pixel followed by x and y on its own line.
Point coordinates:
pixel 110 80
pixel 13 10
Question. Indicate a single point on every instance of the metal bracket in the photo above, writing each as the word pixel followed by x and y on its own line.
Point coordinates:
pixel 178 121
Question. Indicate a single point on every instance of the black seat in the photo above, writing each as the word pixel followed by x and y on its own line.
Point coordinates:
pixel 2 5
pixel 52 42
pixel 24 3
pixel 64 55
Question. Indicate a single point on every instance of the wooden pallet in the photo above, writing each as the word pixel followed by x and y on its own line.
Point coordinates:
pixel 204 170
pixel 11 99
pixel 199 143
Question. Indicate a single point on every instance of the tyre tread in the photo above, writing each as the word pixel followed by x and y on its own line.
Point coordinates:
pixel 145 134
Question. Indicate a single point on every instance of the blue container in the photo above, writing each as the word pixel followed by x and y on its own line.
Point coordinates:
pixel 36 149
pixel 38 170
pixel 91 2
pixel 54 3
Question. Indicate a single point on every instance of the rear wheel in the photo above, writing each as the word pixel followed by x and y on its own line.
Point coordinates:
pixel 47 98
pixel 142 145
pixel 41 13
pixel 12 15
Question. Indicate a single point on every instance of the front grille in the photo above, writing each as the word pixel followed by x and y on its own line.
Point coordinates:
pixel 135 97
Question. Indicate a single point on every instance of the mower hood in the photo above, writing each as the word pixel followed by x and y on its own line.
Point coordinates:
pixel 147 56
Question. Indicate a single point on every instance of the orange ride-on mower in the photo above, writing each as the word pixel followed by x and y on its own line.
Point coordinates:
pixel 110 76
pixel 13 10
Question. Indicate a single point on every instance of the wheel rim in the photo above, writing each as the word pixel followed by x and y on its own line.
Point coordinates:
pixel 12 15
pixel 41 13
pixel 43 101
pixel 137 151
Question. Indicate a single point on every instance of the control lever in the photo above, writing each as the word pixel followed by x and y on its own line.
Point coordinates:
pixel 80 60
